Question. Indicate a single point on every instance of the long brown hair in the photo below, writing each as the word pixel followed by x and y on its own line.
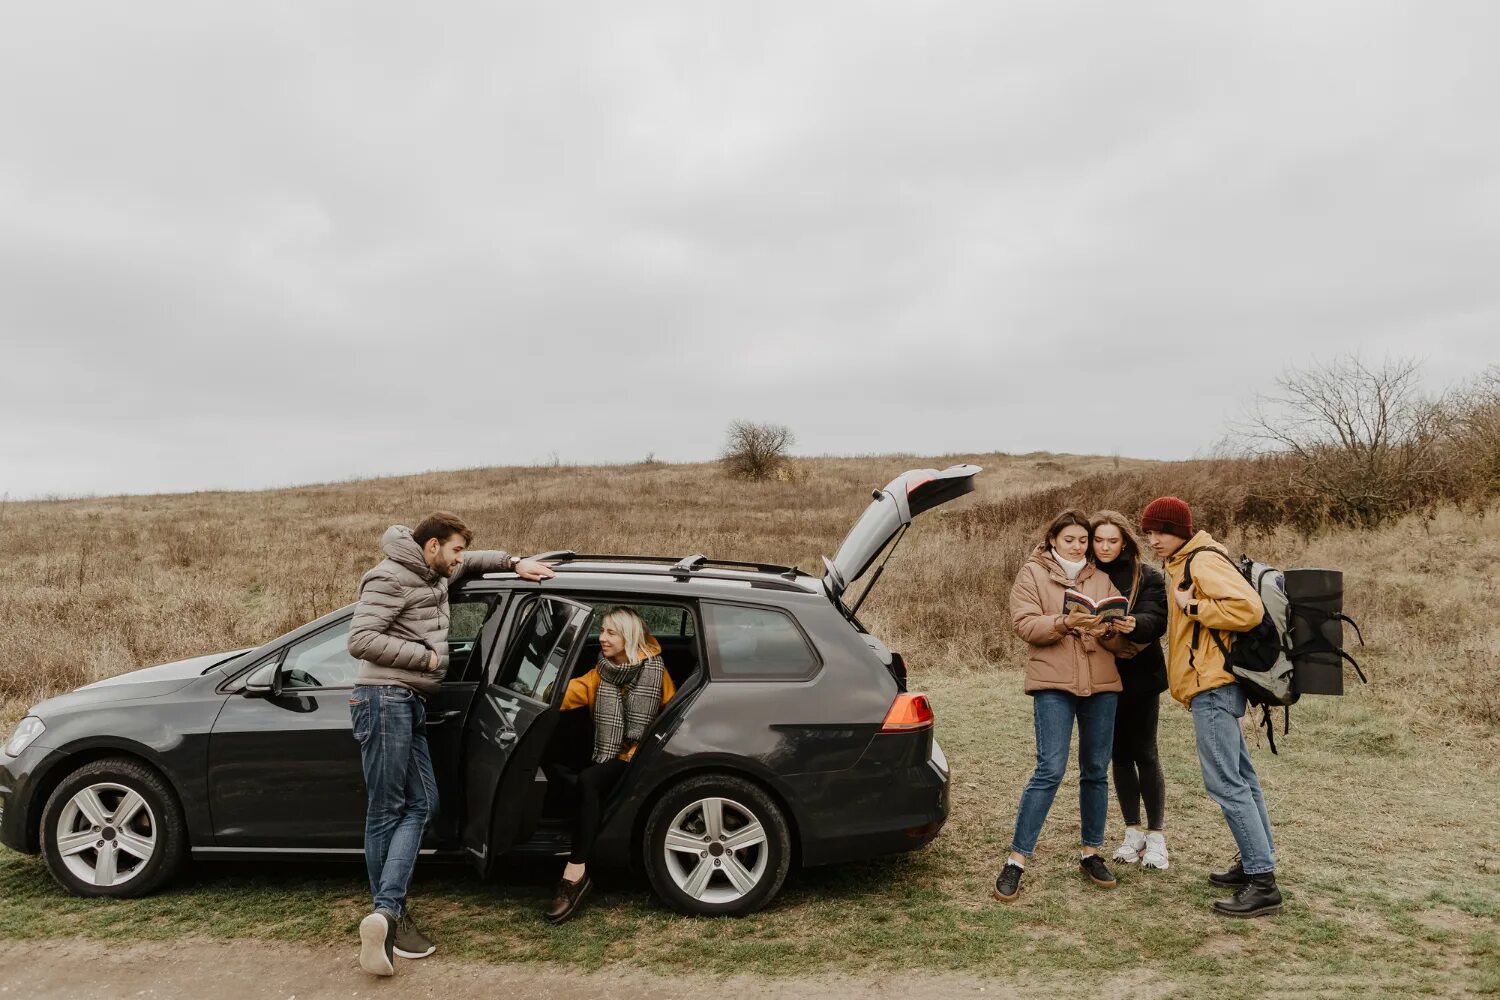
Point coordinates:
pixel 1070 516
pixel 1130 546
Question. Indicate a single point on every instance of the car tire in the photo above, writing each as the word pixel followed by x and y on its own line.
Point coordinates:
pixel 716 845
pixel 84 849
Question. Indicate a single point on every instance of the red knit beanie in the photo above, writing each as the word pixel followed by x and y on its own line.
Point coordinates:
pixel 1170 515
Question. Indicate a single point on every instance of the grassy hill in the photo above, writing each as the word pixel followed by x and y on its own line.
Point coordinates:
pixel 1383 801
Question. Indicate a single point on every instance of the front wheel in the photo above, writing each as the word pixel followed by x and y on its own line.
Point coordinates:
pixel 717 845
pixel 112 828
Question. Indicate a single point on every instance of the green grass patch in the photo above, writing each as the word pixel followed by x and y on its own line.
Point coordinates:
pixel 1368 909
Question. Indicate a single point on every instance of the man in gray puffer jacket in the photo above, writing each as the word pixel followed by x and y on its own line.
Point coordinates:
pixel 400 636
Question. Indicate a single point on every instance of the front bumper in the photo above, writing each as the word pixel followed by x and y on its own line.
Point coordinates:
pixel 19 814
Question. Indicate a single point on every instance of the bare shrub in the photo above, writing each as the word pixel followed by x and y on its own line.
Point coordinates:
pixel 1363 440
pixel 756 452
pixel 1471 425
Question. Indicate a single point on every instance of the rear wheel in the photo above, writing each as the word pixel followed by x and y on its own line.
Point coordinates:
pixel 717 845
pixel 112 828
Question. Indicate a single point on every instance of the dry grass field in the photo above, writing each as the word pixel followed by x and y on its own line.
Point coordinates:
pixel 1384 801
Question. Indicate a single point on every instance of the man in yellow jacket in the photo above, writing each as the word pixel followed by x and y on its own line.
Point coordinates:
pixel 1202 618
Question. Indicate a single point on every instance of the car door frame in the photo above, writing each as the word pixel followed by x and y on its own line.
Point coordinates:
pixel 506 733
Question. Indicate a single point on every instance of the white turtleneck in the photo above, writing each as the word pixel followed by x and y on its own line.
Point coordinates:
pixel 1070 568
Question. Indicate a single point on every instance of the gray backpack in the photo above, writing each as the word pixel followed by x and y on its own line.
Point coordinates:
pixel 1265 658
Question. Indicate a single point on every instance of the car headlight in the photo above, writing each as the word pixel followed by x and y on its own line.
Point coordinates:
pixel 26 733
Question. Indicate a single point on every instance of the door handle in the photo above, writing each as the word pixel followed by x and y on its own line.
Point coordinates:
pixel 509 736
pixel 442 717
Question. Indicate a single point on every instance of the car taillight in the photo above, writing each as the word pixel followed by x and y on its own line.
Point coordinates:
pixel 909 713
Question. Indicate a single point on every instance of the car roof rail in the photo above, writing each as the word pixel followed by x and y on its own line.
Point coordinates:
pixel 682 567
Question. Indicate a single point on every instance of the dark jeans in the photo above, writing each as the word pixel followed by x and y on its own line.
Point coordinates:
pixel 1230 777
pixel 390 724
pixel 1138 772
pixel 1053 713
pixel 595 782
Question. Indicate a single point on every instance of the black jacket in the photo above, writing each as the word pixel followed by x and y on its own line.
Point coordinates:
pixel 1146 671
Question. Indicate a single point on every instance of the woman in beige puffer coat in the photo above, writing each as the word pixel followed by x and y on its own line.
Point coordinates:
pixel 1070 677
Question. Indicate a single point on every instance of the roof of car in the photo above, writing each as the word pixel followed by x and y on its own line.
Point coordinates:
pixel 658 572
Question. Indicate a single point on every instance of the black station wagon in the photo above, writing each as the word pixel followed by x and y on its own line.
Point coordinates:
pixel 791 739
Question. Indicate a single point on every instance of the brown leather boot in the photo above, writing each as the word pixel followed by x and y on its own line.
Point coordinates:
pixel 569 895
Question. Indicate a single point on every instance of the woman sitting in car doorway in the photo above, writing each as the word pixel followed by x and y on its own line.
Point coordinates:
pixel 625 691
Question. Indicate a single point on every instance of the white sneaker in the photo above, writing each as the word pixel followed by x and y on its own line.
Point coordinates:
pixel 1155 854
pixel 1129 851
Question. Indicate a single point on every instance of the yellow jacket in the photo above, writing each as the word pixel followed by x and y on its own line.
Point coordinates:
pixel 582 691
pixel 1222 599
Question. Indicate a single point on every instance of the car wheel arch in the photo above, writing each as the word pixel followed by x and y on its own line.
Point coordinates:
pixel 73 760
pixel 707 768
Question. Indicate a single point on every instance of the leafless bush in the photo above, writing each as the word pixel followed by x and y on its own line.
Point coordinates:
pixel 1471 424
pixel 1362 439
pixel 757 452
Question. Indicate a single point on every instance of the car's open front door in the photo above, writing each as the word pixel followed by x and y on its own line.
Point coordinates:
pixel 513 719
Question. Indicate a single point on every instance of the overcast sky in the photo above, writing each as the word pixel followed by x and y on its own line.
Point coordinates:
pixel 254 244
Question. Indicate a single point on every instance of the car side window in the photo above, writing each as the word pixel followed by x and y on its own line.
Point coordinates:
pixel 756 644
pixel 539 650
pixel 467 616
pixel 320 660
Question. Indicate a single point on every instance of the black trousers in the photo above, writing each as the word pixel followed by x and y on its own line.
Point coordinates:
pixel 595 782
pixel 1137 767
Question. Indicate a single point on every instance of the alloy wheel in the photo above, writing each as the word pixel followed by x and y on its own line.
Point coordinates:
pixel 106 834
pixel 716 850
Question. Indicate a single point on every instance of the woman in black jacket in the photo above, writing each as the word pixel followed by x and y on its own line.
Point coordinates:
pixel 1143 672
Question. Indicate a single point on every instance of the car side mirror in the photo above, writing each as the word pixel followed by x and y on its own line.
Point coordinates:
pixel 264 682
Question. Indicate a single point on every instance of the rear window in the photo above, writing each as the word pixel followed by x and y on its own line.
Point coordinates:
pixel 756 644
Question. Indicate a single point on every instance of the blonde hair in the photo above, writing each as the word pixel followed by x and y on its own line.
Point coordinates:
pixel 639 642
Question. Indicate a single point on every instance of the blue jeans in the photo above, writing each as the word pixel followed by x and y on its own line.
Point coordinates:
pixel 1230 778
pixel 390 724
pixel 1053 713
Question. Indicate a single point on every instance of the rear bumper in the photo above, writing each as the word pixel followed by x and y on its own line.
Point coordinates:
pixel 880 806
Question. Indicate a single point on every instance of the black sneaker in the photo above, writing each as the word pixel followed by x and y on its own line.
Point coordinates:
pixel 1008 882
pixel 1094 867
pixel 1232 877
pixel 411 942
pixel 377 942
pixel 1259 897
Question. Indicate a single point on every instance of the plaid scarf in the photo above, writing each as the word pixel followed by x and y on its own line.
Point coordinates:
pixel 628 698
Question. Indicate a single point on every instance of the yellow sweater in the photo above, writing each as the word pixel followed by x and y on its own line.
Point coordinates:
pixel 582 691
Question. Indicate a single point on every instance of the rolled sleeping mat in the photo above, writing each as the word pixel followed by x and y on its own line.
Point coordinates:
pixel 1316 635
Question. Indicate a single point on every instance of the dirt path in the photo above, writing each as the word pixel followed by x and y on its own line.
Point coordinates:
pixel 79 969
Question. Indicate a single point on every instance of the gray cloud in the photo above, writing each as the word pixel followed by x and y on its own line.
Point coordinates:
pixel 253 246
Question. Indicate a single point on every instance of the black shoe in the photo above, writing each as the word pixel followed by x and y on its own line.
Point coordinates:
pixel 565 903
pixel 1094 867
pixel 1008 882
pixel 377 943
pixel 411 942
pixel 1257 898
pixel 1232 877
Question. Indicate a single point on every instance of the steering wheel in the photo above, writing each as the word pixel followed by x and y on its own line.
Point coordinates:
pixel 300 679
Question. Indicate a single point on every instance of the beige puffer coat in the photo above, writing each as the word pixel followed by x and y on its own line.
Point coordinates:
pixel 402 617
pixel 1060 660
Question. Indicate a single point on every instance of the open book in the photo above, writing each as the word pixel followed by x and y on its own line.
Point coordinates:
pixel 1106 608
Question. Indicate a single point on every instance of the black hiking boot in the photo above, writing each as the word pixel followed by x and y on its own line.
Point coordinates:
pixel 1232 877
pixel 1094 867
pixel 1258 898
pixel 1008 882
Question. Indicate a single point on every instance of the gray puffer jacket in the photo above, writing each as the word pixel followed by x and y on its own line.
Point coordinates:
pixel 402 617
